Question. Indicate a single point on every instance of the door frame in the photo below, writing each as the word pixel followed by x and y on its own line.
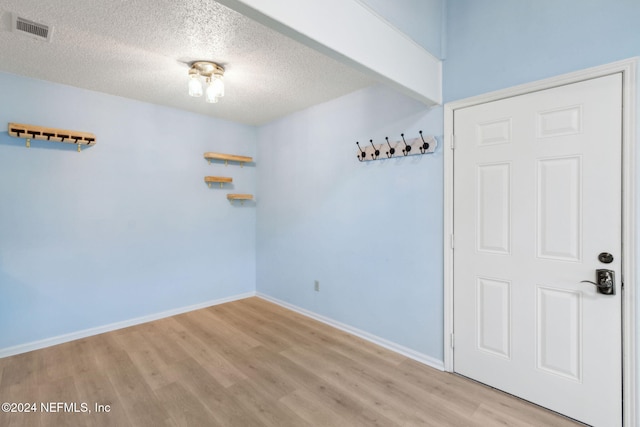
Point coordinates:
pixel 629 70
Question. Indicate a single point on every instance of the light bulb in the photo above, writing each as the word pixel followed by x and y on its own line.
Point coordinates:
pixel 218 85
pixel 195 86
pixel 210 94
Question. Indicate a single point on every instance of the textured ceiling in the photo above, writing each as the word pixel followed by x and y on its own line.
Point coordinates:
pixel 140 49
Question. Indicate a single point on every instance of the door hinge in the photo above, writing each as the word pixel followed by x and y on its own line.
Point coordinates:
pixel 453 142
pixel 452 241
pixel 452 340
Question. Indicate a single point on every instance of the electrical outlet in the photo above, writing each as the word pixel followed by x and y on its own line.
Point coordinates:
pixel 316 285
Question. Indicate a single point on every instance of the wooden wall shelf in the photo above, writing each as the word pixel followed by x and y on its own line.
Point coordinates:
pixel 228 158
pixel 30 132
pixel 241 197
pixel 220 179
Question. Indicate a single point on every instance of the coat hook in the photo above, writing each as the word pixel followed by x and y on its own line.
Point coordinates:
pixel 407 147
pixel 392 150
pixel 376 151
pixel 362 154
pixel 425 145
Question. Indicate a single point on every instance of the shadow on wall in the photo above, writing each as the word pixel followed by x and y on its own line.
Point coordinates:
pixel 398 112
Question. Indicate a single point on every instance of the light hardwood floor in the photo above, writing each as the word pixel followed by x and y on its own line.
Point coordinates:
pixel 248 363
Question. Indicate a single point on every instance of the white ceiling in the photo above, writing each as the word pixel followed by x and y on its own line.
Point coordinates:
pixel 140 49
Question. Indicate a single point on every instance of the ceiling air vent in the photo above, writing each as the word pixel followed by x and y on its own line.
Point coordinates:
pixel 32 29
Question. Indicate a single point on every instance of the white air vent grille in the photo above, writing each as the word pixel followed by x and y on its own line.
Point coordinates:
pixel 32 29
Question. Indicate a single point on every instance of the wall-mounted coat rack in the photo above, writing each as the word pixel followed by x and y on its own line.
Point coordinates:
pixel 401 148
pixel 30 132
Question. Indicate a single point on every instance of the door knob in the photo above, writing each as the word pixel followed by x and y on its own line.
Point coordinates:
pixel 605 282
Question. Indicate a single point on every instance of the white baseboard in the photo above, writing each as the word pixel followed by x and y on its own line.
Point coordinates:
pixel 60 339
pixel 405 351
pixel 48 342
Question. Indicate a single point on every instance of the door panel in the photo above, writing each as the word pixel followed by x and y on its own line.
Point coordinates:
pixel 559 192
pixel 559 332
pixel 493 308
pixel 537 196
pixel 494 202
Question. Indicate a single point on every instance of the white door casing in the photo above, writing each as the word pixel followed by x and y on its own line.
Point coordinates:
pixel 521 314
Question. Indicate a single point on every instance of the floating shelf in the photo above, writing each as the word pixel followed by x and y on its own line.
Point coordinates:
pixel 30 132
pixel 241 197
pixel 228 158
pixel 220 179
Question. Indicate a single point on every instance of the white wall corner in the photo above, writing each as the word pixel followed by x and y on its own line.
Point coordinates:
pixel 352 34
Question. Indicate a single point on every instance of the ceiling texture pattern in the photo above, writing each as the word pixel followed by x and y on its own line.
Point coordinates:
pixel 140 49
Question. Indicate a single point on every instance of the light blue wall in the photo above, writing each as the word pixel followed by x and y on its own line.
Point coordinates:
pixel 421 20
pixel 322 215
pixel 370 232
pixel 495 44
pixel 124 229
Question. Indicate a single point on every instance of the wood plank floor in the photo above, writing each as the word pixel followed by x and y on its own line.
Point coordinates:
pixel 247 363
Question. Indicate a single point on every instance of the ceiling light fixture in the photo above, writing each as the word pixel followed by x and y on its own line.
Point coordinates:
pixel 213 74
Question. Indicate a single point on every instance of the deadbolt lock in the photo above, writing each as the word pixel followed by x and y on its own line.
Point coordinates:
pixel 605 258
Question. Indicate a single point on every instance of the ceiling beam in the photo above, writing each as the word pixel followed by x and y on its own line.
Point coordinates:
pixel 351 33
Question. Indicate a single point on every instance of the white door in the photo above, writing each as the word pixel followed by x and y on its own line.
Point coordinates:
pixel 537 198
